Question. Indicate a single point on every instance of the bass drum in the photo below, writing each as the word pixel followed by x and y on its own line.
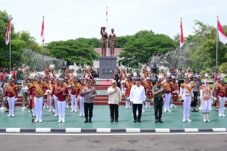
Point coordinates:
pixel 175 97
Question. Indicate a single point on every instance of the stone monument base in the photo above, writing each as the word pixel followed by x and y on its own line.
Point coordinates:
pixel 107 65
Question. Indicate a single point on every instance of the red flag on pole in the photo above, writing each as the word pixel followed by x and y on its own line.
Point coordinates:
pixel 181 34
pixel 221 34
pixel 8 30
pixel 42 31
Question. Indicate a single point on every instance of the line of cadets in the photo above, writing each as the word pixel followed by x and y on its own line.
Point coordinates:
pixel 56 92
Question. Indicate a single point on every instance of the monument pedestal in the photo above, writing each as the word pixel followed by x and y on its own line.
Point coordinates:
pixel 107 65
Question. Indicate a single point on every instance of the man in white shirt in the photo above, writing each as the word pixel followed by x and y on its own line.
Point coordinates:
pixel 137 97
pixel 114 93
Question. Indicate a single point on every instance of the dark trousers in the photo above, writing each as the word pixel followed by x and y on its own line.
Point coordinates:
pixel 114 111
pixel 135 108
pixel 158 104
pixel 195 100
pixel 88 110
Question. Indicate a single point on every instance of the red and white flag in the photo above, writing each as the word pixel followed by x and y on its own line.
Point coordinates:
pixel 8 30
pixel 42 31
pixel 221 34
pixel 181 34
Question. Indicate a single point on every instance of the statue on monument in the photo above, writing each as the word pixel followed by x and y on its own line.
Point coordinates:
pixel 104 41
pixel 112 41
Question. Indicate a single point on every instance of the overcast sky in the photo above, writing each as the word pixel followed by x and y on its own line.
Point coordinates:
pixel 70 19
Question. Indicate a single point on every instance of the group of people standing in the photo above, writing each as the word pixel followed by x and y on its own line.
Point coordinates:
pixel 138 92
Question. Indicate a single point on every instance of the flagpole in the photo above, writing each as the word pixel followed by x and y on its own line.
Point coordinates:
pixel 107 27
pixel 180 45
pixel 43 44
pixel 10 51
pixel 217 41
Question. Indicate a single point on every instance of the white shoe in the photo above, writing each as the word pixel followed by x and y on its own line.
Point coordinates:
pixel 189 120
pixel 80 115
pixel 13 115
pixel 219 115
pixel 9 115
pixel 75 110
pixel 208 120
pixel 183 120
pixel 63 120
pixel 36 120
pixel 53 110
pixel 59 121
pixel 67 106
pixel 40 121
pixel 143 111
pixel 49 110
pixel 23 108
pixel 223 115
pixel 169 110
pixel 204 120
pixel 55 115
pixel 71 110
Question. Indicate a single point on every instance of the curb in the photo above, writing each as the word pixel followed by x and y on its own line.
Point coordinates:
pixel 109 130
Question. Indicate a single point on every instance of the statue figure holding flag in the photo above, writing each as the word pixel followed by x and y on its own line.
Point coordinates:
pixel 104 41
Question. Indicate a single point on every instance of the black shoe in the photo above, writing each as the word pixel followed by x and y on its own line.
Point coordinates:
pixel 135 121
pixel 86 121
pixel 90 121
pixel 156 121
pixel 116 121
pixel 160 121
pixel 112 121
pixel 139 121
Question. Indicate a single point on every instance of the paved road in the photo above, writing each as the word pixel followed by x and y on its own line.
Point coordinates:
pixel 184 142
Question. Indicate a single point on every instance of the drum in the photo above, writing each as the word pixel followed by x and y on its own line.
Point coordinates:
pixel 175 97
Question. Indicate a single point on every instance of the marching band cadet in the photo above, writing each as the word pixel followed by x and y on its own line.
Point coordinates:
pixel 75 90
pixel 128 85
pixel 148 90
pixel 38 99
pixel 11 94
pixel 221 90
pixel 174 92
pixel 53 100
pixel 25 93
pixel 61 92
pixel 186 94
pixel 196 90
pixel 81 98
pixel 46 89
pixel 206 102
pixel 167 91
pixel 31 94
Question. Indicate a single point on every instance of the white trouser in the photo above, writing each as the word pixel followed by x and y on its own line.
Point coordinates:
pixel 81 105
pixel 50 105
pixel 61 109
pixel 73 102
pixel 167 101
pixel 127 103
pixel 147 104
pixel 187 107
pixel 11 102
pixel 56 104
pixel 221 105
pixel 38 107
